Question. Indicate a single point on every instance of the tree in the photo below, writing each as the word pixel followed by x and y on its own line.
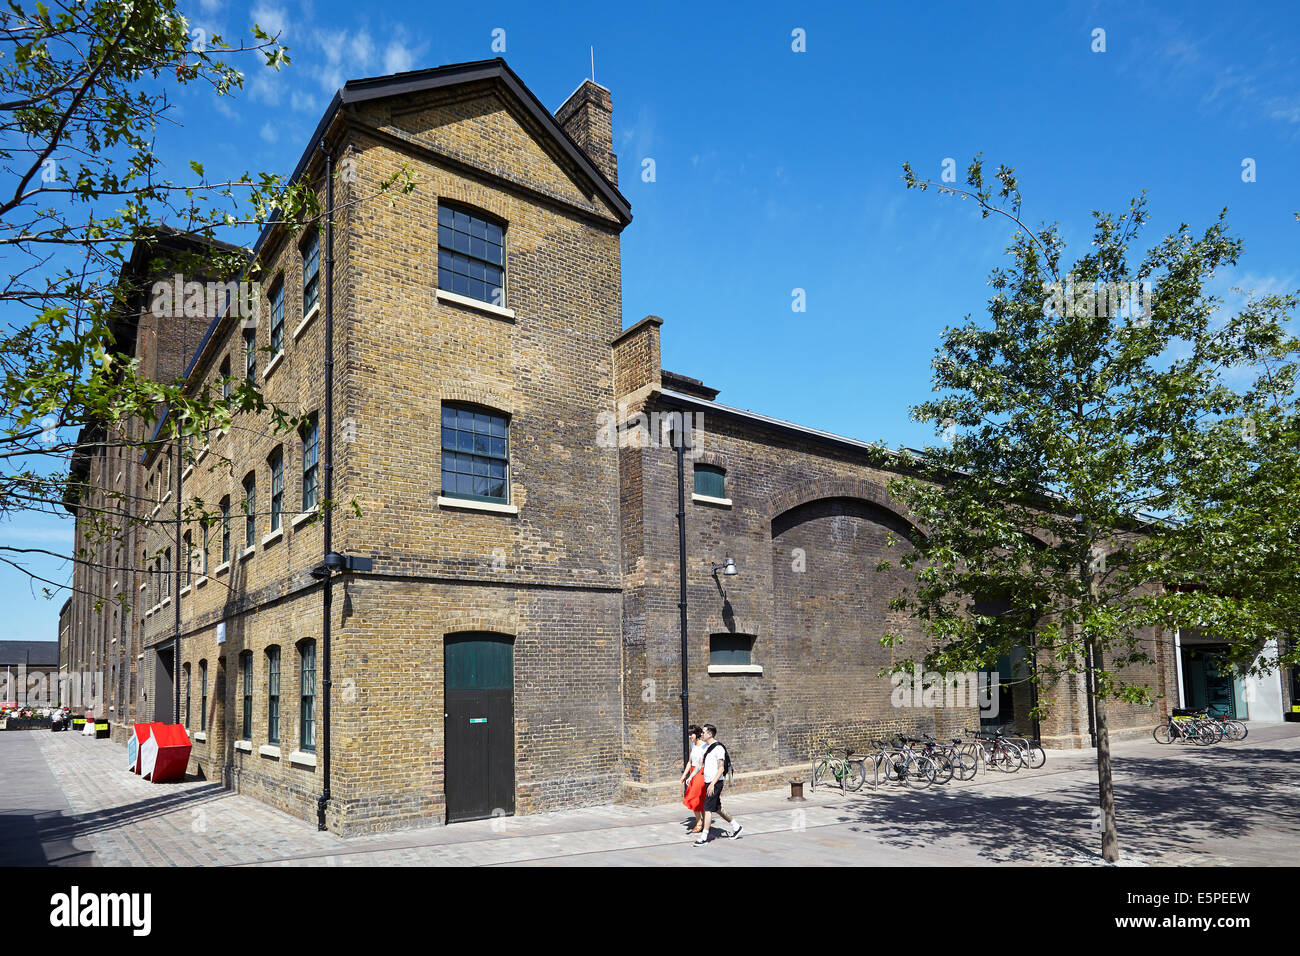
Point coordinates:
pixel 1095 482
pixel 84 91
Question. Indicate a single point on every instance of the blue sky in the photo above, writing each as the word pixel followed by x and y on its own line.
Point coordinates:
pixel 776 170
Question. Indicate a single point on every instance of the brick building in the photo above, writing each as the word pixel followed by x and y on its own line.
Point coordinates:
pixel 514 647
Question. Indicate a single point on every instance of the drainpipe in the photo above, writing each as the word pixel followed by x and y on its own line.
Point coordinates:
pixel 322 802
pixel 176 639
pixel 679 434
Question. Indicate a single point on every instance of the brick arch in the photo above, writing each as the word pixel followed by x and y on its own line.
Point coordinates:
pixel 711 458
pixel 493 623
pixel 478 395
pixel 873 492
pixel 475 198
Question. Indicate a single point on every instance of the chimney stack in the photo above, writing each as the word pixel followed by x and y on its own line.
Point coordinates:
pixel 587 116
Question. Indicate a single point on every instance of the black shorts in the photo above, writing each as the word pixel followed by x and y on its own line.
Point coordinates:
pixel 713 802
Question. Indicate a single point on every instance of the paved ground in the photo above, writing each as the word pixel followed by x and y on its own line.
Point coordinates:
pixel 67 800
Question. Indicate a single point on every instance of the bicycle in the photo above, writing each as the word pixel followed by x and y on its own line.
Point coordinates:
pixel 847 772
pixel 964 766
pixel 1032 749
pixel 995 750
pixel 902 763
pixel 1233 729
pixel 1186 725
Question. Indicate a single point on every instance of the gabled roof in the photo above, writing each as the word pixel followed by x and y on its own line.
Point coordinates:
pixel 457 74
pixel 417 81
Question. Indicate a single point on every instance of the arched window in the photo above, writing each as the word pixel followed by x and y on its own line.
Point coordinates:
pixel 307 696
pixel 203 695
pixel 273 695
pixel 246 669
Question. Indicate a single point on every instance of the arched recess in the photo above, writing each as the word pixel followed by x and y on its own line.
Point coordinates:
pixel 867 490
pixel 830 609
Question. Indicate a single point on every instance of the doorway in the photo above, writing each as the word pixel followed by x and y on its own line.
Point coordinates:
pixel 1208 686
pixel 480 726
pixel 164 687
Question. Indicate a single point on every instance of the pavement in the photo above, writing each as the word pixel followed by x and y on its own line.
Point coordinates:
pixel 67 800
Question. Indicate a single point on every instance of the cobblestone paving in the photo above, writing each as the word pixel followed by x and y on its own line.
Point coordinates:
pixel 68 800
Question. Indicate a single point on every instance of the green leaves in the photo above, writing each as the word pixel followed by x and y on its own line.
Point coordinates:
pixel 1066 427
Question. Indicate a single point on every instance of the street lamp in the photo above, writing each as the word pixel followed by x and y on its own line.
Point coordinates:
pixel 727 567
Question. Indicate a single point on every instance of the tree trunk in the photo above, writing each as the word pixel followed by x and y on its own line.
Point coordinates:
pixel 1105 781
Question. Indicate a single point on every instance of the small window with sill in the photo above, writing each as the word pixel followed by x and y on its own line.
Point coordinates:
pixel 727 651
pixel 475 454
pixel 710 481
pixel 471 256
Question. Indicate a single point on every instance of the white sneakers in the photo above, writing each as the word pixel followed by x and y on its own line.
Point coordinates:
pixel 703 838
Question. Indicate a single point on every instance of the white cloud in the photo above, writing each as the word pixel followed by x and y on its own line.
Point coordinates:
pixel 222 105
pixel 269 132
pixel 303 101
pixel 274 20
pixel 398 57
pixel 209 6
pixel 362 49
pixel 266 87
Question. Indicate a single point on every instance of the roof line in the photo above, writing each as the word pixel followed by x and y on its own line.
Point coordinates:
pixel 779 423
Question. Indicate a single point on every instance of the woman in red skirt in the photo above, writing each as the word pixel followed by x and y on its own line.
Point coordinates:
pixel 693 778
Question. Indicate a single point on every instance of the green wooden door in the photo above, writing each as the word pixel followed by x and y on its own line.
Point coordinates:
pixel 480 726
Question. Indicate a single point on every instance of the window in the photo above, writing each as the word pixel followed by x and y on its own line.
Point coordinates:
pixel 250 513
pixel 203 695
pixel 310 271
pixel 189 559
pixel 225 529
pixel 187 695
pixel 167 573
pixel 474 454
pixel 277 318
pixel 310 459
pixel 471 258
pixel 203 555
pixel 250 354
pixel 277 487
pixel 307 693
pixel 710 481
pixel 246 667
pixel 225 377
pixel 273 695
pixel 730 649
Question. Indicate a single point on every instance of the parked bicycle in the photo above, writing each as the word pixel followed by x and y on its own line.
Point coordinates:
pixel 831 769
pixel 1032 749
pixel 995 750
pixel 1194 727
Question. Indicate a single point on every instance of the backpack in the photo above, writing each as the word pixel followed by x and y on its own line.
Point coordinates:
pixel 726 759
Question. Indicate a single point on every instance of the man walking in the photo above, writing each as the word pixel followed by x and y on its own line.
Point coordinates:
pixel 715 766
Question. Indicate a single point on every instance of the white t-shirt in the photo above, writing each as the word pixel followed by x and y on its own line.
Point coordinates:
pixel 697 755
pixel 714 762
